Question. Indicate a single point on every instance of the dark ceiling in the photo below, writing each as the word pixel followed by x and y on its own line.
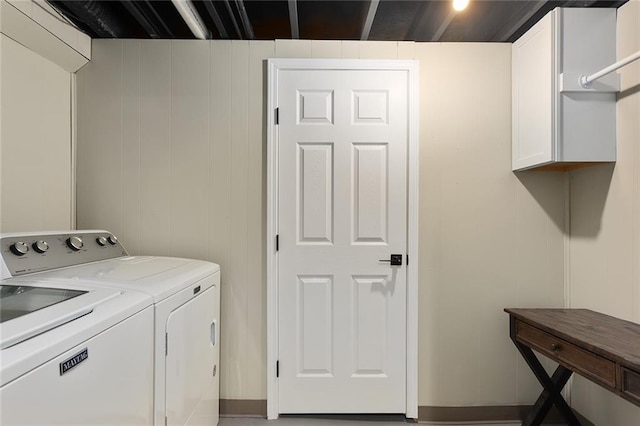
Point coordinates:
pixel 397 20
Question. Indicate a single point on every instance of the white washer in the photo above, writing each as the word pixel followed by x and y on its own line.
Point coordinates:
pixel 186 297
pixel 74 354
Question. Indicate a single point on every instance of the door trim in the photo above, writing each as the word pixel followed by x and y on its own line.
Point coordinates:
pixel 274 66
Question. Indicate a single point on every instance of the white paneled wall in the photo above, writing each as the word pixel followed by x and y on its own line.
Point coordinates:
pixel 171 158
pixel 489 239
pixel 604 261
pixel 35 144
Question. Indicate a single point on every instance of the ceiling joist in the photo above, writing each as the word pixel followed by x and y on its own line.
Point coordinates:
pixel 134 9
pixel 157 17
pixel 293 19
pixel 368 23
pixel 443 26
pixel 233 19
pixel 244 18
pixel 506 31
pixel 215 17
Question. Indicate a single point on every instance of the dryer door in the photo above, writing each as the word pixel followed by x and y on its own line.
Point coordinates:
pixel 191 396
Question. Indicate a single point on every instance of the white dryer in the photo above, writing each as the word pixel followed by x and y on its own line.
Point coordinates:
pixel 186 297
pixel 72 354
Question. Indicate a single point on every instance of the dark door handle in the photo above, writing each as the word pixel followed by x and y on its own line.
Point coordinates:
pixel 396 260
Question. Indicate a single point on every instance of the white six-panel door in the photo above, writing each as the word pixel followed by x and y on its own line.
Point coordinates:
pixel 342 208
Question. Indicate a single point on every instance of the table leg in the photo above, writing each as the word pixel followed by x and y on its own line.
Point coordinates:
pixel 552 387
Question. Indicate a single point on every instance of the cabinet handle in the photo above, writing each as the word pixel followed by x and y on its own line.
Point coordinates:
pixel 554 347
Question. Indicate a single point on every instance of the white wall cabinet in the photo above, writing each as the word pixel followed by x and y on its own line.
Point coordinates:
pixel 556 123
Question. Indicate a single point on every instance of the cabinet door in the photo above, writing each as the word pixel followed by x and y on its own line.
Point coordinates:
pixel 533 85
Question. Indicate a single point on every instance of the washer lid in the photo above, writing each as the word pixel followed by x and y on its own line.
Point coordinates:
pixel 160 277
pixel 33 339
pixel 27 311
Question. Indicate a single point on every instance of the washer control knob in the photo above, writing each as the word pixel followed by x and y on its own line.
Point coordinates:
pixel 40 246
pixel 75 243
pixel 19 248
pixel 113 240
pixel 102 241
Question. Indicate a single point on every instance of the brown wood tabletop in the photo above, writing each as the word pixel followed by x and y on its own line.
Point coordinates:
pixel 613 338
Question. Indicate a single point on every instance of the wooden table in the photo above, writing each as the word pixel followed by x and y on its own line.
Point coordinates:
pixel 604 349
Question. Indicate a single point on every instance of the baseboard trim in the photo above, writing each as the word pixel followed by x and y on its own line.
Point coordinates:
pixel 491 413
pixel 243 407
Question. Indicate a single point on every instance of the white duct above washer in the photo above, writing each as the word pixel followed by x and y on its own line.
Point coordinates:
pixel 68 48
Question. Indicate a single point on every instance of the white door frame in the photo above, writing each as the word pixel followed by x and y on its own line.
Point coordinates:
pixel 274 67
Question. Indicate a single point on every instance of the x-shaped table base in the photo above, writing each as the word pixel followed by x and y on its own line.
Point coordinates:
pixel 552 387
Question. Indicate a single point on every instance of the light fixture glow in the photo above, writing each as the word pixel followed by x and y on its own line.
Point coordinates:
pixel 459 5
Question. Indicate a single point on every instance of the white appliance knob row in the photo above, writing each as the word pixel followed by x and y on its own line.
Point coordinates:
pixel 75 243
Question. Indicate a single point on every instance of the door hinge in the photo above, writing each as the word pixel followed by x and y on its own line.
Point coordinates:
pixel 166 344
pixel 277 242
pixel 407 260
pixel 277 115
pixel 277 368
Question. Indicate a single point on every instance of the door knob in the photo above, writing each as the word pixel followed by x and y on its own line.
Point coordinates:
pixel 395 260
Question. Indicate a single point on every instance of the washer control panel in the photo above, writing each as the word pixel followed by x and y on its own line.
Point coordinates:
pixel 29 253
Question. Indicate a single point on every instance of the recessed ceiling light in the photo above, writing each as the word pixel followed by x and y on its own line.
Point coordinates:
pixel 459 5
